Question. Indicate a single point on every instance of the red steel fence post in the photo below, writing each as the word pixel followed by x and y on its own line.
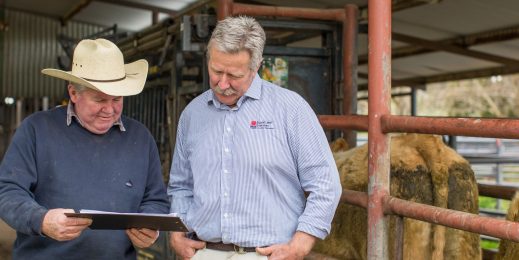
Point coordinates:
pixel 379 92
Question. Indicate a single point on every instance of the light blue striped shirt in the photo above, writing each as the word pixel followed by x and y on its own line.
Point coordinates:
pixel 239 175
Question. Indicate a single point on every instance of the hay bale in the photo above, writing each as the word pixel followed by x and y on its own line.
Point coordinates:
pixel 423 170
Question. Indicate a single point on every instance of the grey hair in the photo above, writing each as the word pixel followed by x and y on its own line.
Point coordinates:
pixel 77 87
pixel 241 33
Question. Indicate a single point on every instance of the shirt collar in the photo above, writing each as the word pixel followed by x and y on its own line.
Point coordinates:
pixel 253 92
pixel 71 113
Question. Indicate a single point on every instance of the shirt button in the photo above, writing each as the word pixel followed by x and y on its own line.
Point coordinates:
pixel 226 150
pixel 225 194
pixel 225 215
pixel 225 171
pixel 228 129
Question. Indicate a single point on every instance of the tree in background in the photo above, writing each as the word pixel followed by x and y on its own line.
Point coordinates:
pixel 497 96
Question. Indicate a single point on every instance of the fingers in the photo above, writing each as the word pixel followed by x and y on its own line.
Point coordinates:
pixel 71 221
pixel 59 227
pixel 70 235
pixel 142 238
pixel 277 252
pixel 183 246
pixel 196 244
pixel 136 240
pixel 266 251
pixel 149 232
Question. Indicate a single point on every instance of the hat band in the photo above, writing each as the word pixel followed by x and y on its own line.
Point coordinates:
pixel 108 80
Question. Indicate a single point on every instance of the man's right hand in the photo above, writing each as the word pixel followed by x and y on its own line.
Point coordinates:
pixel 62 228
pixel 183 246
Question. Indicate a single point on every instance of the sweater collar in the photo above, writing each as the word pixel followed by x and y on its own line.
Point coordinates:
pixel 71 113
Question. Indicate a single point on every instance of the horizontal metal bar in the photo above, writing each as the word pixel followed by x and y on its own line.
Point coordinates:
pixel 360 199
pixel 295 51
pixel 497 191
pixel 297 12
pixel 297 25
pixel 462 126
pixel 353 122
pixel 451 218
pixel 494 160
pixel 403 94
pixel 480 127
pixel 356 198
pixel 455 219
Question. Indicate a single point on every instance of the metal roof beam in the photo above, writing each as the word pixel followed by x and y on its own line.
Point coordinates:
pixel 397 5
pixel 75 10
pixel 454 49
pixel 490 36
pixel 140 6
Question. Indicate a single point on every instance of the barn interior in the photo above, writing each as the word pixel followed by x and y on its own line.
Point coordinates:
pixel 432 41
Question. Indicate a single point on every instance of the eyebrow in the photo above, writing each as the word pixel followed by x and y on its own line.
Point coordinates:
pixel 231 74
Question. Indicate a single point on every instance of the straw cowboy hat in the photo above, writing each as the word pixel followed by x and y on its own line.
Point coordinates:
pixel 99 64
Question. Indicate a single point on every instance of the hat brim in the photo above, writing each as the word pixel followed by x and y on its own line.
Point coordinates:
pixel 132 84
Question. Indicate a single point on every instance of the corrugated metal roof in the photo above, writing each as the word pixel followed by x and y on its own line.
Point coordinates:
pixel 30 45
pixel 493 26
pixel 104 13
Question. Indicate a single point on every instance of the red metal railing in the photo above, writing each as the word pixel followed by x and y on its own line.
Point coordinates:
pixel 450 218
pixel 379 92
pixel 465 126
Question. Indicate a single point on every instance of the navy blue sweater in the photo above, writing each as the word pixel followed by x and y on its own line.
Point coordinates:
pixel 51 165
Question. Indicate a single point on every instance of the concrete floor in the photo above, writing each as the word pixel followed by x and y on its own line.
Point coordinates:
pixel 7 236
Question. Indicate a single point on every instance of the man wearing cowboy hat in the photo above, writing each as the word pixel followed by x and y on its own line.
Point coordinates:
pixel 83 156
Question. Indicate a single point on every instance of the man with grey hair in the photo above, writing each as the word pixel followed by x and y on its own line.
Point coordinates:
pixel 247 152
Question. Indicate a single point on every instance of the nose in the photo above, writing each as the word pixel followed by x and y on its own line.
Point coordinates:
pixel 108 108
pixel 224 82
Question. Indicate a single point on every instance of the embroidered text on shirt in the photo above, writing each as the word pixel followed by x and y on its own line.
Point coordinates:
pixel 254 124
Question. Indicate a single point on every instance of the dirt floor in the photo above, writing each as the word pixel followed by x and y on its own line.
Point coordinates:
pixel 7 236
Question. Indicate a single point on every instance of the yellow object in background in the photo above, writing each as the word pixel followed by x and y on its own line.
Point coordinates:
pixel 275 70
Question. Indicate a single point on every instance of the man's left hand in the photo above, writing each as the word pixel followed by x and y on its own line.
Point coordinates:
pixel 142 237
pixel 300 246
pixel 279 252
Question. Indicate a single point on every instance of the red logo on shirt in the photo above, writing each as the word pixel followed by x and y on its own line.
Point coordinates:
pixel 261 124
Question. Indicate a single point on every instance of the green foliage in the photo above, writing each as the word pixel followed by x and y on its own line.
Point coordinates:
pixel 488 244
pixel 481 97
pixel 491 203
pixel 487 202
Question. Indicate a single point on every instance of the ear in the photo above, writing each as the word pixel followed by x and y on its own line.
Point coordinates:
pixel 72 92
pixel 258 67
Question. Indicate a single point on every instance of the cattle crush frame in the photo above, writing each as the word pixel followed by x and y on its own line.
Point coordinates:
pixel 379 123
